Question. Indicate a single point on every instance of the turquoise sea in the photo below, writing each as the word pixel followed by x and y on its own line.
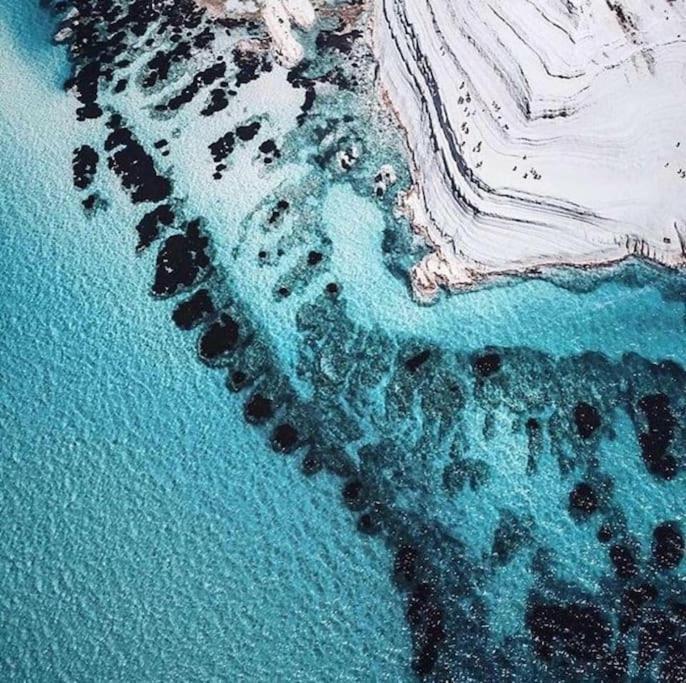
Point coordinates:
pixel 149 532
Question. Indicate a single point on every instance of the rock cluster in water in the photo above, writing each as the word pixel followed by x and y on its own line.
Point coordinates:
pixel 413 430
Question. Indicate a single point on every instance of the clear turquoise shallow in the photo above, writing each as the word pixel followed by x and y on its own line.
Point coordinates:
pixel 146 532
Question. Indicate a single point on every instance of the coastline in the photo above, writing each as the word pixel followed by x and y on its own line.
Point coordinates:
pixel 492 475
pixel 473 236
pixel 476 232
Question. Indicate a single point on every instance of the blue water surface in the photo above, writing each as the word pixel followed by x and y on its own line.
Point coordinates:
pixel 145 532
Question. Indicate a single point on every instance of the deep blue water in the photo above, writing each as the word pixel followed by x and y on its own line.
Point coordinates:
pixel 149 533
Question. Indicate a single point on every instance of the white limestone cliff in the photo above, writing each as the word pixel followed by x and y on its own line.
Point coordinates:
pixel 279 17
pixel 541 132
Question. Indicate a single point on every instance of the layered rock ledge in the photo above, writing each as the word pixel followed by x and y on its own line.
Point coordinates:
pixel 540 133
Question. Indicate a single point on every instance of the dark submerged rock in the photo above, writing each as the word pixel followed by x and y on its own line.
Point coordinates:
pixel 284 438
pixel 181 261
pixel 587 419
pixel 84 166
pixel 84 83
pixel 269 151
pixel 237 380
pixel 281 206
pixel 656 441
pixel 668 546
pixel 194 310
pixel 158 68
pixel 424 661
pixel 311 464
pixel 134 166
pixel 314 258
pixel 354 495
pixel 258 409
pixel 415 362
pixel 674 665
pixel 222 147
pixel 90 202
pixel 577 630
pixel 509 537
pixel 624 561
pixel 425 616
pixel 605 533
pixel 205 77
pixel 583 500
pixel 250 65
pixel 150 226
pixel 217 102
pixel 487 364
pixel 248 131
pixel 616 666
pixel 406 564
pixel 219 338
pixel 306 106
pixel 634 598
pixel 268 146
pixel 369 523
pixel 656 633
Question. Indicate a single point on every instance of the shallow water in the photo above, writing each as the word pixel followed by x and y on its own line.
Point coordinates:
pixel 147 532
pixel 150 533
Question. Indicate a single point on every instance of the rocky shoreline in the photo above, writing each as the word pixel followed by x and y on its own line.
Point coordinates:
pixel 536 137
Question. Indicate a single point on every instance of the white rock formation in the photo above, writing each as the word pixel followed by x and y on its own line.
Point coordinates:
pixel 278 16
pixel 541 131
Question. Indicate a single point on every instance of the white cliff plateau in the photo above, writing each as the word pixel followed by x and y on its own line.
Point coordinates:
pixel 541 132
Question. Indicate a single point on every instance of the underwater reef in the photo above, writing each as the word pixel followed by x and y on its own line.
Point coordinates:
pixel 532 500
